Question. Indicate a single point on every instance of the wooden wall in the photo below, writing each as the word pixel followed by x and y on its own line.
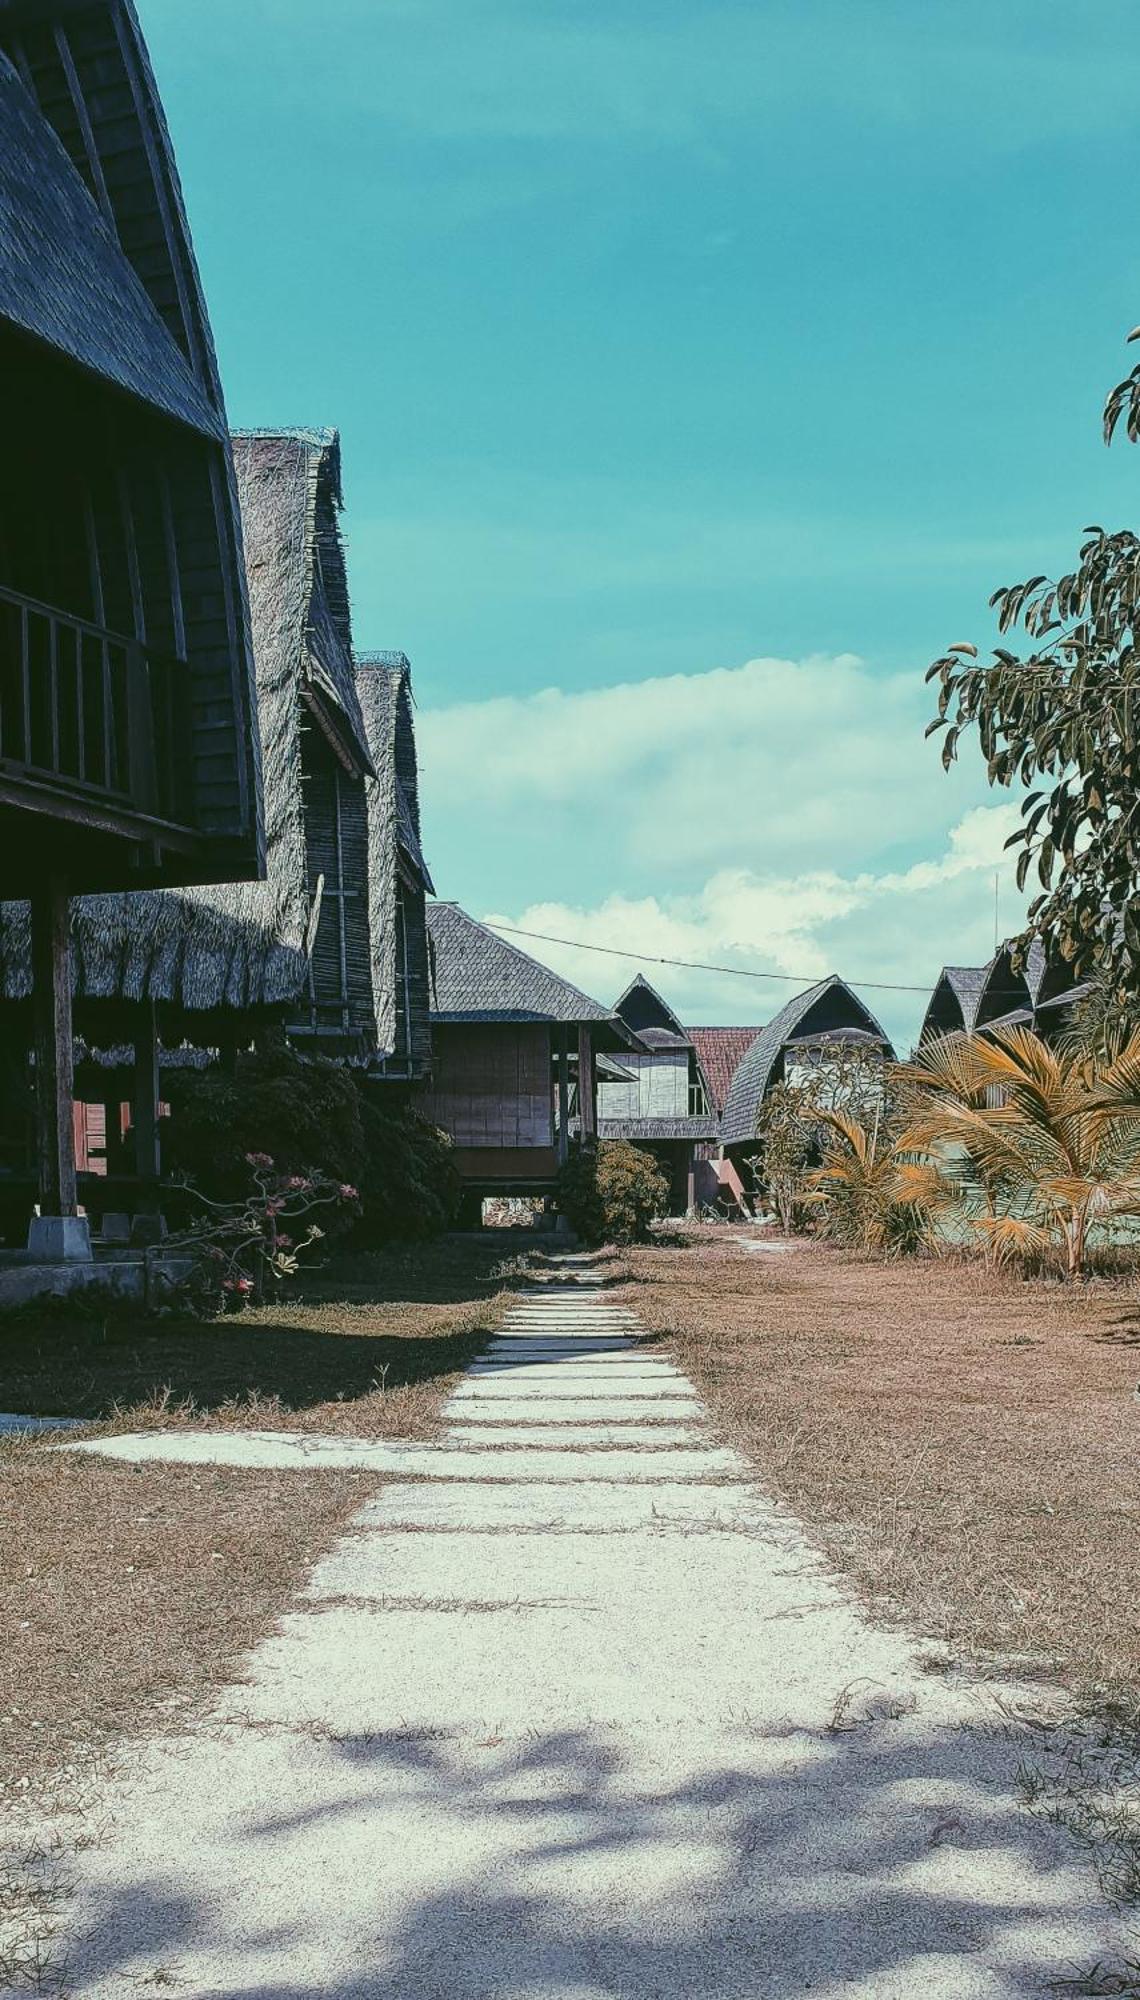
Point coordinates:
pixel 491 1084
pixel 661 1089
pixel 336 844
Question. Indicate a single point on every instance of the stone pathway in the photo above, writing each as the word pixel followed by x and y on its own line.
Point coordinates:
pixel 576 1714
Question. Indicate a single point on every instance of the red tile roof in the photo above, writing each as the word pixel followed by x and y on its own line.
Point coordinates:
pixel 719 1051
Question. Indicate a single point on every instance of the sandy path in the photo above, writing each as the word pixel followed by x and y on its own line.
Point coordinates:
pixel 568 1720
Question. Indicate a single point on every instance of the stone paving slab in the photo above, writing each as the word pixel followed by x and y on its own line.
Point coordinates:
pixel 570 1436
pixel 491 1409
pixel 569 1732
pixel 421 1461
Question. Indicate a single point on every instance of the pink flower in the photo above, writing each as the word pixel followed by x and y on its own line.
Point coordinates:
pixel 258 1160
pixel 348 1193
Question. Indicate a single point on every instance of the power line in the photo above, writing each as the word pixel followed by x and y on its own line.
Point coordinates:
pixel 699 965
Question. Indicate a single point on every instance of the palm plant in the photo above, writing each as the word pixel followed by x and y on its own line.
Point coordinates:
pixel 1050 1138
pixel 879 1189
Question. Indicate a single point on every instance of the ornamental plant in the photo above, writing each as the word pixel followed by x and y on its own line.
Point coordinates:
pixel 248 1247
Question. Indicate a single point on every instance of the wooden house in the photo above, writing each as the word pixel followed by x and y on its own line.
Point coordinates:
pixel 665 1105
pixel 331 945
pixel 128 747
pixel 798 1037
pixel 508 1038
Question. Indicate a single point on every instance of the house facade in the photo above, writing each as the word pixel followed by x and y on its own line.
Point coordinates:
pixel 664 1104
pixel 128 744
pixel 514 1062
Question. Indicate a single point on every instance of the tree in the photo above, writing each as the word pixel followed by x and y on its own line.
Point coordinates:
pixel 841 1076
pixel 612 1191
pixel 1050 1138
pixel 1063 717
pixel 878 1189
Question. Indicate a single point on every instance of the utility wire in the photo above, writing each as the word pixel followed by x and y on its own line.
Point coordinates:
pixel 698 965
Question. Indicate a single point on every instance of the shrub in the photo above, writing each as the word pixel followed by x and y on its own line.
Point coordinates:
pixel 612 1192
pixel 311 1116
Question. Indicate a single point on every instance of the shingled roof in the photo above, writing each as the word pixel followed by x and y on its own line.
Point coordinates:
pixel 829 1005
pixel 481 977
pixel 65 280
pixel 720 1051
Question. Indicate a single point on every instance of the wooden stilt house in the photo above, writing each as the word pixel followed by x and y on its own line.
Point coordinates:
pixel 666 1106
pixel 331 946
pixel 128 747
pixel 512 1044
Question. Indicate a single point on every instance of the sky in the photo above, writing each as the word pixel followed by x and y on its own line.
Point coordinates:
pixel 701 369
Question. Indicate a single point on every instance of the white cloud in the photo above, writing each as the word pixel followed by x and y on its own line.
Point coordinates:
pixel 893 929
pixel 782 817
pixel 800 760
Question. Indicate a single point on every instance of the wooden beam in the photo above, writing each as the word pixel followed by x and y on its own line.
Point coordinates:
pixel 51 1007
pixel 563 1047
pixel 587 1087
pixel 144 1105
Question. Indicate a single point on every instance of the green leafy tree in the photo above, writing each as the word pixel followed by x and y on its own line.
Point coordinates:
pixel 1061 715
pixel 612 1192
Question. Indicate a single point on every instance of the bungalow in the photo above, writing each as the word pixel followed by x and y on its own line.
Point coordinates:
pixel 664 1104
pixel 789 1048
pixel 128 751
pixel 510 1040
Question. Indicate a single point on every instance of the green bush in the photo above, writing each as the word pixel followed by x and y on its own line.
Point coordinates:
pixel 611 1193
pixel 313 1116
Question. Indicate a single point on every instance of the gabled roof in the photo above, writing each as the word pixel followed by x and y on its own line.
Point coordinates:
pixel 480 977
pixel 649 1129
pixel 387 677
pixel 65 280
pixel 719 1052
pixel 642 1008
pixel 830 1004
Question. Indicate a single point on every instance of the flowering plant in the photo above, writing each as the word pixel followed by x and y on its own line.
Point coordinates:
pixel 244 1248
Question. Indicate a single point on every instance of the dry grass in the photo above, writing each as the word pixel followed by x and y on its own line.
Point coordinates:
pixel 130 1593
pixel 370 1349
pixel 964 1444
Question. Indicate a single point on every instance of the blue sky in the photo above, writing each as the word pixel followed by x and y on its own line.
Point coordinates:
pixel 701 369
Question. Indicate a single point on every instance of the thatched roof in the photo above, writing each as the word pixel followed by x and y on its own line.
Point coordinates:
pixel 244 945
pixel 720 1051
pixel 819 1013
pixel 384 686
pixel 64 277
pixel 480 977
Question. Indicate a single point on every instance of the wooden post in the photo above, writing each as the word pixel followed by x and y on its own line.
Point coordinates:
pixel 55 1087
pixel 144 1108
pixel 563 1049
pixel 587 1087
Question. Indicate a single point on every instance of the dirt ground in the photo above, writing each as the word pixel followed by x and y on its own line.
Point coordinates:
pixel 965 1444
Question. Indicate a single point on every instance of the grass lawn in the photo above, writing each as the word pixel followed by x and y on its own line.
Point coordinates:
pixel 965 1445
pixel 369 1347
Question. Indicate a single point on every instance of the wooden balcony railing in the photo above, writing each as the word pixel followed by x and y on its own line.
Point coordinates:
pixel 91 713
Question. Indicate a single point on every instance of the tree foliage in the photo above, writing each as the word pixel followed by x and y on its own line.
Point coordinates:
pixel 612 1192
pixel 878 1189
pixel 1061 715
pixel 1047 1141
pixel 312 1116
